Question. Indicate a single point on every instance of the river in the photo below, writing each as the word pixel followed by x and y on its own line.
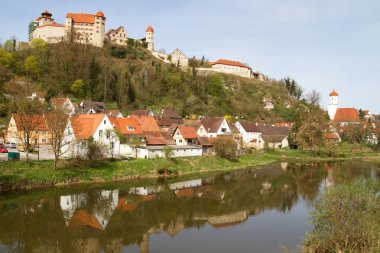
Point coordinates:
pixel 252 210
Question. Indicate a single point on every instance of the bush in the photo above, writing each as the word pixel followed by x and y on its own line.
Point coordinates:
pixel 346 219
pixel 225 147
pixel 96 151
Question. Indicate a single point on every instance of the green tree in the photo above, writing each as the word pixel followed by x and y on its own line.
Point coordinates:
pixel 39 44
pixel 6 58
pixel 93 80
pixel 225 147
pixel 216 89
pixel 10 45
pixel 77 88
pixel 168 152
pixel 32 67
pixel 346 219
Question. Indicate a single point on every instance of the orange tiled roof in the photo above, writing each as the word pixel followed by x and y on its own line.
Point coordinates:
pixel 30 122
pixel 230 63
pixel 346 115
pixel 149 29
pixel 85 125
pixel 83 218
pixel 184 193
pixel 58 102
pixel 334 94
pixel 100 14
pixel 127 126
pixel 187 132
pixel 81 18
pixel 148 124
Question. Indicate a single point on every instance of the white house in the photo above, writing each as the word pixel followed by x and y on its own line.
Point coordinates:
pixel 83 127
pixel 154 152
pixel 63 103
pixel 216 127
pixel 117 36
pixel 249 131
pixel 185 135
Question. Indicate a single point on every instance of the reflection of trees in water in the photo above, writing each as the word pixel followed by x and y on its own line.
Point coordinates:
pixel 40 225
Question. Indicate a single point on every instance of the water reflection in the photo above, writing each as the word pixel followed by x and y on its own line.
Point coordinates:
pixel 111 219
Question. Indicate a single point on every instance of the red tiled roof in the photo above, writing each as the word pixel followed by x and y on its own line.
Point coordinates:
pixel 58 102
pixel 187 132
pixel 85 125
pixel 83 218
pixel 82 18
pixel 230 63
pixel 100 14
pixel 150 29
pixel 184 193
pixel 346 115
pixel 334 94
pixel 30 122
pixel 148 124
pixel 127 126
pixel 249 126
pixel 212 125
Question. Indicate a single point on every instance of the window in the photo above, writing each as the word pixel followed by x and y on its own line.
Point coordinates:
pixel 108 134
pixel 84 144
pixel 131 128
pixel 43 140
pixel 105 122
pixel 43 132
pixel 224 130
pixel 100 133
pixel 112 145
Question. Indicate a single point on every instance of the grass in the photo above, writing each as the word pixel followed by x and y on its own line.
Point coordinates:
pixel 20 174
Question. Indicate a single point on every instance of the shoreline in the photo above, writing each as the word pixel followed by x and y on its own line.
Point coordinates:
pixel 21 176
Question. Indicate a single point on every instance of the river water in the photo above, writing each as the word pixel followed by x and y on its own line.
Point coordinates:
pixel 251 210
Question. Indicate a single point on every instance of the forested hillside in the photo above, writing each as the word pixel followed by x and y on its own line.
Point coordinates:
pixel 131 78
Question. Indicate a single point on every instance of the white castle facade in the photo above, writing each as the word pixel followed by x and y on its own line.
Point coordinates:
pixel 78 27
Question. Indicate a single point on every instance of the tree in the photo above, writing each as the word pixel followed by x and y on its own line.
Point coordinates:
pixel 346 219
pixel 10 45
pixel 28 114
pixel 39 44
pixel 168 152
pixel 77 88
pixel 32 67
pixel 6 58
pixel 93 79
pixel 56 121
pixel 292 87
pixel 225 147
pixel 313 98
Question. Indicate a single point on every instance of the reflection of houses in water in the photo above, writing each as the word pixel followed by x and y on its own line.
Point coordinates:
pixel 185 184
pixel 104 205
pixel 284 166
pixel 70 203
pixel 209 192
pixel 146 190
pixel 224 220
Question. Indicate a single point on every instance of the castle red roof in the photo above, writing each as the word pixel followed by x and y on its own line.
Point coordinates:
pixel 346 115
pixel 149 29
pixel 334 94
pixel 230 63
pixel 100 14
pixel 82 18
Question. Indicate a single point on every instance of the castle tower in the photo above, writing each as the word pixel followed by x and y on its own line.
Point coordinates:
pixel 149 38
pixel 333 104
pixel 99 29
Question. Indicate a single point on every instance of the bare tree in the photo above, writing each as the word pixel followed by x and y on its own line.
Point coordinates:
pixel 313 98
pixel 56 121
pixel 28 115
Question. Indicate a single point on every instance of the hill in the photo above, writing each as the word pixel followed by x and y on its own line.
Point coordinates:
pixel 131 78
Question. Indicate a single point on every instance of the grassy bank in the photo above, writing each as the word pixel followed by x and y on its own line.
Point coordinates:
pixel 22 175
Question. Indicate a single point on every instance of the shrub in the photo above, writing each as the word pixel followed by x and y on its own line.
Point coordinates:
pixel 346 219
pixel 225 147
pixel 96 151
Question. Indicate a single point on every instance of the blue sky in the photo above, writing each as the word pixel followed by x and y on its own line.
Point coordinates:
pixel 323 44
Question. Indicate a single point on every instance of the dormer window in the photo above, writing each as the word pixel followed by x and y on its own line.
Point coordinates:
pixel 131 128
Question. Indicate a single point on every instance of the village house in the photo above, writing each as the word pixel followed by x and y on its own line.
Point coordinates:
pixel 90 107
pixel 273 137
pixel 216 126
pixel 185 135
pixel 63 103
pixel 34 125
pixel 113 113
pixel 139 113
pixel 151 131
pixel 196 124
pixel 117 36
pixel 83 128
pixel 249 131
pixel 130 134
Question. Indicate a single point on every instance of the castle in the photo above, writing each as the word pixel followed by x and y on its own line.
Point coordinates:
pixel 78 27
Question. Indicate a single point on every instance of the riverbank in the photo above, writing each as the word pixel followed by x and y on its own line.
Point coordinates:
pixel 23 175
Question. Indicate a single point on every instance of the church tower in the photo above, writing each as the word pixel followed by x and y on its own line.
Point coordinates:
pixel 333 104
pixel 149 38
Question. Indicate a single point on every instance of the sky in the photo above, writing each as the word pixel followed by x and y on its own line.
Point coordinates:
pixel 322 44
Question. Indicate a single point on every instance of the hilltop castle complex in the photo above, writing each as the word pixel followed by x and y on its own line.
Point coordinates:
pixel 91 29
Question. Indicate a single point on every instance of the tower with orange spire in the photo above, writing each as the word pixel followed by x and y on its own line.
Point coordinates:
pixel 333 104
pixel 149 38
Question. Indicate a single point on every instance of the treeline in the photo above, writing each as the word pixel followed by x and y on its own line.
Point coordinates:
pixel 132 78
